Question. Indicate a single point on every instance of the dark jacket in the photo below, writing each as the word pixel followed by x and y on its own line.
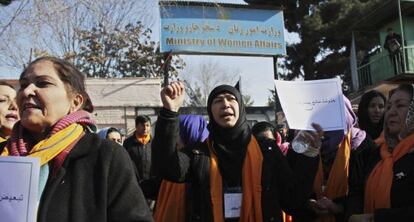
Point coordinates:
pixel 141 156
pixel 283 187
pixel 391 41
pixel 95 183
pixel 305 213
pixel 402 190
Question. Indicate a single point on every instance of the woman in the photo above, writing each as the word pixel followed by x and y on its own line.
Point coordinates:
pixel 330 185
pixel 8 110
pixel 265 130
pixel 171 198
pixel 82 177
pixel 382 180
pixel 371 113
pixel 111 133
pixel 232 176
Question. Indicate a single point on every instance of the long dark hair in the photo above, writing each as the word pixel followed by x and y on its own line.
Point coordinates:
pixel 70 75
pixel 364 121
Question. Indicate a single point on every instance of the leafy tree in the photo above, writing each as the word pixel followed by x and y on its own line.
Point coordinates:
pixel 323 27
pixel 325 37
pixel 5 2
pixel 126 52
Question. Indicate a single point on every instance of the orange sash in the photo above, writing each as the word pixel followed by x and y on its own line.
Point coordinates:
pixel 337 185
pixel 379 183
pixel 170 202
pixel 251 208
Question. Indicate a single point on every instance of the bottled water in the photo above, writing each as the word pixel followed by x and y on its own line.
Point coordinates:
pixel 300 144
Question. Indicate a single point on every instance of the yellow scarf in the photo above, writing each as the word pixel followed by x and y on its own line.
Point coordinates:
pixel 2 139
pixel 49 148
pixel 143 139
pixel 337 185
pixel 251 209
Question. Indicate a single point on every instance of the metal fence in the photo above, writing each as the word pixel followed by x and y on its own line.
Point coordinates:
pixel 383 66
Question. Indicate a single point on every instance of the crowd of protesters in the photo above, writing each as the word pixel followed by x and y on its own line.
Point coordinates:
pixel 221 170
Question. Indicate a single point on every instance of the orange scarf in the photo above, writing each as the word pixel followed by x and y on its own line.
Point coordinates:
pixel 251 208
pixel 170 202
pixel 337 185
pixel 286 217
pixel 380 140
pixel 144 139
pixel 379 183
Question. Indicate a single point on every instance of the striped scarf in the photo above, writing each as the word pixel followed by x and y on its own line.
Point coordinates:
pixel 63 136
pixel 2 139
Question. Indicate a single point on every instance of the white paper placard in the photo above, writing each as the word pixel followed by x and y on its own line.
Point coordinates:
pixel 316 101
pixel 19 181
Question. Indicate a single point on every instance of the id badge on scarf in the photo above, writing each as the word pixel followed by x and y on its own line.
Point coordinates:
pixel 232 202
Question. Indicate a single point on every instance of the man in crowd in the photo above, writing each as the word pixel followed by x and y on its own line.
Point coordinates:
pixel 392 44
pixel 138 146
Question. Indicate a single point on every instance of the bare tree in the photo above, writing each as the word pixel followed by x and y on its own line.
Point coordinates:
pixel 200 80
pixel 51 27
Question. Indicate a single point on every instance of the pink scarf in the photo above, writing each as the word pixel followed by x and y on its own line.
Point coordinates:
pixel 19 144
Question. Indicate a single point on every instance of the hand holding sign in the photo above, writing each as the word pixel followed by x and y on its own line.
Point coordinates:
pixel 307 102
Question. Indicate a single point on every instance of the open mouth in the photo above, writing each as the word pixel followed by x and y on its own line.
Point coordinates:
pixel 12 117
pixel 225 115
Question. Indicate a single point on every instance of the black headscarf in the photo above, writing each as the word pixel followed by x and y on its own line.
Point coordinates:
pixel 230 144
pixel 373 129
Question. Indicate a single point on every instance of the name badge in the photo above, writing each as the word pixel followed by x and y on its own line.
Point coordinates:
pixel 232 202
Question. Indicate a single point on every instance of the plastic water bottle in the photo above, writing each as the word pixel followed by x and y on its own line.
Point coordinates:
pixel 300 144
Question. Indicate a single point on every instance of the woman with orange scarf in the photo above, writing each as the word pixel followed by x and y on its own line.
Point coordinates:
pixel 82 177
pixel 8 110
pixel 382 184
pixel 170 205
pixel 331 181
pixel 232 176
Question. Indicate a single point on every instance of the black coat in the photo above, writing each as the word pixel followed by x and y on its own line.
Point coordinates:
pixel 283 186
pixel 140 155
pixel 96 182
pixel 305 213
pixel 402 190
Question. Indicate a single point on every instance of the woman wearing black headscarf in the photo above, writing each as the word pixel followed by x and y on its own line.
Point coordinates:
pixel 232 176
pixel 371 110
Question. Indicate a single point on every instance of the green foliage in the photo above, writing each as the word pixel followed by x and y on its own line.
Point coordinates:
pixel 5 2
pixel 324 28
pixel 128 52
